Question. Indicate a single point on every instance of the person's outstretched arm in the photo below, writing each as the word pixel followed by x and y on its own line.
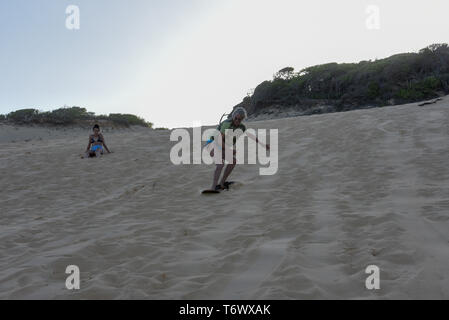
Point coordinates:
pixel 104 144
pixel 88 145
pixel 253 137
pixel 87 151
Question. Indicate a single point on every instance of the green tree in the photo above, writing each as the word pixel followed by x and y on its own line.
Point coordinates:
pixel 285 74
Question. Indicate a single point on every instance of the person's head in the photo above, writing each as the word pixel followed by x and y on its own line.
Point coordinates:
pixel 238 115
pixel 96 129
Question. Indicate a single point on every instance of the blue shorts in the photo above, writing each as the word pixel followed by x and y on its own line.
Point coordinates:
pixel 95 148
pixel 209 142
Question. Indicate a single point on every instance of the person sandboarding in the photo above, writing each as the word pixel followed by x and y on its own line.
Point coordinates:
pixel 233 123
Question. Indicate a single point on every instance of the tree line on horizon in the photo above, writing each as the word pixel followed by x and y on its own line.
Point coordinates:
pixel 401 78
pixel 70 116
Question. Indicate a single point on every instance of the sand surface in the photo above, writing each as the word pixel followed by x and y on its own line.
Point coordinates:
pixel 353 189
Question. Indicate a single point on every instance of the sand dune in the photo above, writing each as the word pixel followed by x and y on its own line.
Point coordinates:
pixel 353 189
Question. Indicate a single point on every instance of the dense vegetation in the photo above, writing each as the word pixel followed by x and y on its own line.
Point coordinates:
pixel 401 78
pixel 71 116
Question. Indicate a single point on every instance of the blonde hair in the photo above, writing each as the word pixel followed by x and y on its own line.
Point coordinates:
pixel 239 111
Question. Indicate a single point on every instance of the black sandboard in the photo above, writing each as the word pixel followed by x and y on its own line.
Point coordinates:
pixel 227 185
pixel 210 192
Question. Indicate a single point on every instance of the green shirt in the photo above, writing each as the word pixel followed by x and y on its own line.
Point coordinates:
pixel 229 125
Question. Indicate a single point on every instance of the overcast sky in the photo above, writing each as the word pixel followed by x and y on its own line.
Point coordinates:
pixel 179 62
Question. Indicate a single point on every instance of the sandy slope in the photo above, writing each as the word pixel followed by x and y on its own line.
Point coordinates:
pixel 353 189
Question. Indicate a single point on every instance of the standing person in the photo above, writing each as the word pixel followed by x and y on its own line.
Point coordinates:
pixel 96 143
pixel 234 123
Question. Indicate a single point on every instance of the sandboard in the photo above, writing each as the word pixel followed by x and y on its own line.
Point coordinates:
pixel 210 192
pixel 227 185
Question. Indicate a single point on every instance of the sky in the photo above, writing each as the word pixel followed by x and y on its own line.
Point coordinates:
pixel 180 63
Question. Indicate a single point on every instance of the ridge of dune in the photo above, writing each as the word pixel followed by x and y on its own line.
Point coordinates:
pixel 14 133
pixel 353 189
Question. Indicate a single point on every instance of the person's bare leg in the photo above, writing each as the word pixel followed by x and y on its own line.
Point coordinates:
pixel 217 175
pixel 229 168
pixel 227 173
